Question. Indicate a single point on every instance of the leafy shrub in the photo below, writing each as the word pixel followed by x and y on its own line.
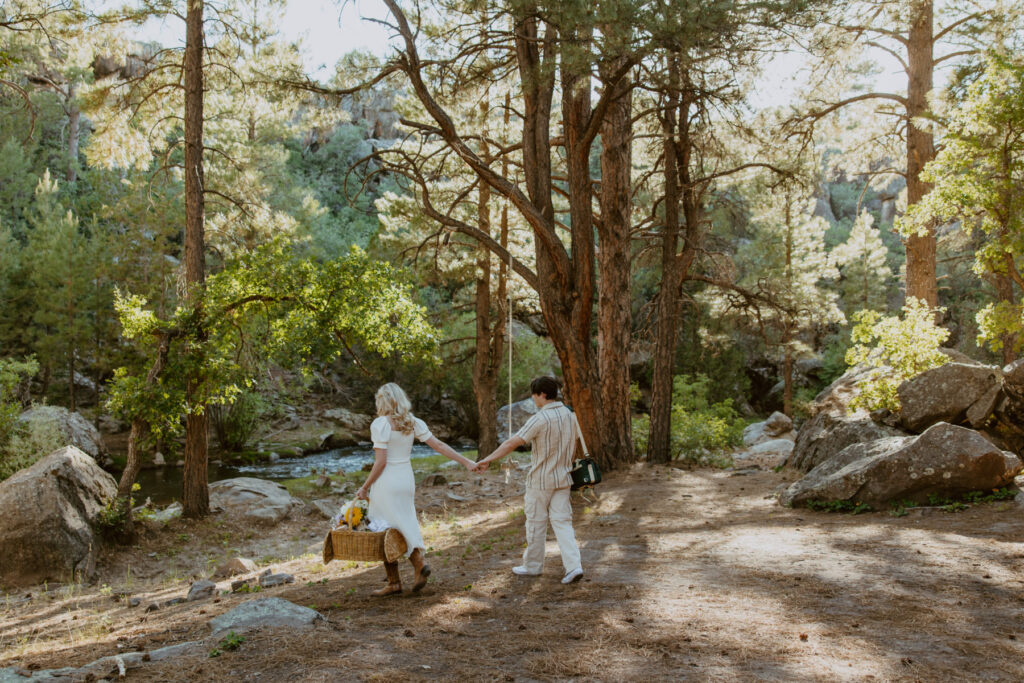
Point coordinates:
pixel 641 433
pixel 13 375
pixel 897 348
pixel 28 444
pixel 702 431
pixel 234 423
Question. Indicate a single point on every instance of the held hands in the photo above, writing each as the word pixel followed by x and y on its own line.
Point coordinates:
pixel 482 466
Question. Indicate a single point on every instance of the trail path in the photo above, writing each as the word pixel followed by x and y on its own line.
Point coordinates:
pixel 690 575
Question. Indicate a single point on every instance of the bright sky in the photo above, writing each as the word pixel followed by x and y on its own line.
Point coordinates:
pixel 328 29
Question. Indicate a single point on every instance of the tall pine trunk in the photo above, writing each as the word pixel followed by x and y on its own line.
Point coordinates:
pixel 485 364
pixel 682 203
pixel 921 269
pixel 74 133
pixel 195 494
pixel 663 361
pixel 614 323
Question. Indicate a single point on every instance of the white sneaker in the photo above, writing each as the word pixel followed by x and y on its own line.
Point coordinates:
pixel 573 576
pixel 523 571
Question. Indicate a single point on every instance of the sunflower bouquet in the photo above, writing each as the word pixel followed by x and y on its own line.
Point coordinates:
pixel 352 515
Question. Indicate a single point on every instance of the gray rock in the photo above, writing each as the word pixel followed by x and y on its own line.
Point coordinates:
pixel 179 650
pixel 945 460
pixel 158 459
pixel 264 613
pixel 1013 379
pixel 356 423
pixel 73 428
pixel 324 507
pixel 982 409
pixel 836 397
pixel 776 446
pixel 521 412
pixel 47 512
pixel 826 434
pixel 270 580
pixel 337 438
pixel 823 209
pixel 116 665
pixel 765 454
pixel 777 423
pixel 454 496
pixel 201 590
pixel 254 500
pixel 944 394
pixel 168 513
pixel 434 479
pixel 108 424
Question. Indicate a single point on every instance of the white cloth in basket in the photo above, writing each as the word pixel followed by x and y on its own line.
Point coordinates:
pixel 393 495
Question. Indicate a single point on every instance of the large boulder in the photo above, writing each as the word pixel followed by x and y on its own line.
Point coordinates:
pixel 947 393
pixel 356 423
pixel 265 613
pixel 836 397
pixel 945 460
pixel 769 454
pixel 777 426
pixel 826 434
pixel 74 429
pixel 337 438
pixel 521 412
pixel 254 500
pixel 47 513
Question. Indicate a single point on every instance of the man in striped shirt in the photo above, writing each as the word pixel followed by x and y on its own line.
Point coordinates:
pixel 552 434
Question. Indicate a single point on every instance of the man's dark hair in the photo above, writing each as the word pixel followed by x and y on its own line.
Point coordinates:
pixel 545 385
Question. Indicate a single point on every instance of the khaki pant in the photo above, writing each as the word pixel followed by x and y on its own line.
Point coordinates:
pixel 541 506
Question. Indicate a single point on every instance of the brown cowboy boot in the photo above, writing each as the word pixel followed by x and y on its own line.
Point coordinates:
pixel 394 581
pixel 422 570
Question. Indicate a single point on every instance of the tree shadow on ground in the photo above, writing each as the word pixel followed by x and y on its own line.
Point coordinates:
pixel 690 575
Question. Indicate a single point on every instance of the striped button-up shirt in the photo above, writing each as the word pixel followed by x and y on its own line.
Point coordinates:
pixel 552 436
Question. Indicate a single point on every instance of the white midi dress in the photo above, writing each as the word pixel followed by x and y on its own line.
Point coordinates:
pixel 393 495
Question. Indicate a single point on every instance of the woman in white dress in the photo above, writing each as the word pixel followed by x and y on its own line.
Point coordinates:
pixel 390 487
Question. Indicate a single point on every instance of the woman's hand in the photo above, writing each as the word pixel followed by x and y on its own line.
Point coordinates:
pixel 362 493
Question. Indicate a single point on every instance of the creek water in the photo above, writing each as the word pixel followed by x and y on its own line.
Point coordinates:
pixel 163 484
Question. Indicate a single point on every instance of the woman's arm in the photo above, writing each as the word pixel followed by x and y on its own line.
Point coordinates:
pixel 380 456
pixel 449 452
pixel 510 444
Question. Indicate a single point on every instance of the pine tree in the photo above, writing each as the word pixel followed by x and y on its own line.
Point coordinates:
pixel 57 263
pixel 865 273
pixel 788 266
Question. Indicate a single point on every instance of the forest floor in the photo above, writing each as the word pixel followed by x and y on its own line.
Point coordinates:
pixel 690 575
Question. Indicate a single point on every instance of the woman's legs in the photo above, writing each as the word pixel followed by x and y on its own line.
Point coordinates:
pixel 422 569
pixel 394 580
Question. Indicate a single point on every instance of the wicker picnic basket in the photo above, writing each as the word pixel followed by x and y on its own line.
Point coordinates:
pixel 364 546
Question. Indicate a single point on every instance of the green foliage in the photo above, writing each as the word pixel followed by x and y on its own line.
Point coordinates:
pixel 850 506
pixel 897 348
pixel 14 375
pixel 978 180
pixel 235 423
pixel 28 443
pixel 111 519
pixel 272 303
pixel 864 272
pixel 702 431
pixel 641 432
pixel 232 641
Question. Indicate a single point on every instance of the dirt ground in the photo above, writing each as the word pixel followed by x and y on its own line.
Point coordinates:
pixel 690 575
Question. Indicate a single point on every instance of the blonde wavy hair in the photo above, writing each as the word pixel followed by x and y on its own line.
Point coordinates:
pixel 392 402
